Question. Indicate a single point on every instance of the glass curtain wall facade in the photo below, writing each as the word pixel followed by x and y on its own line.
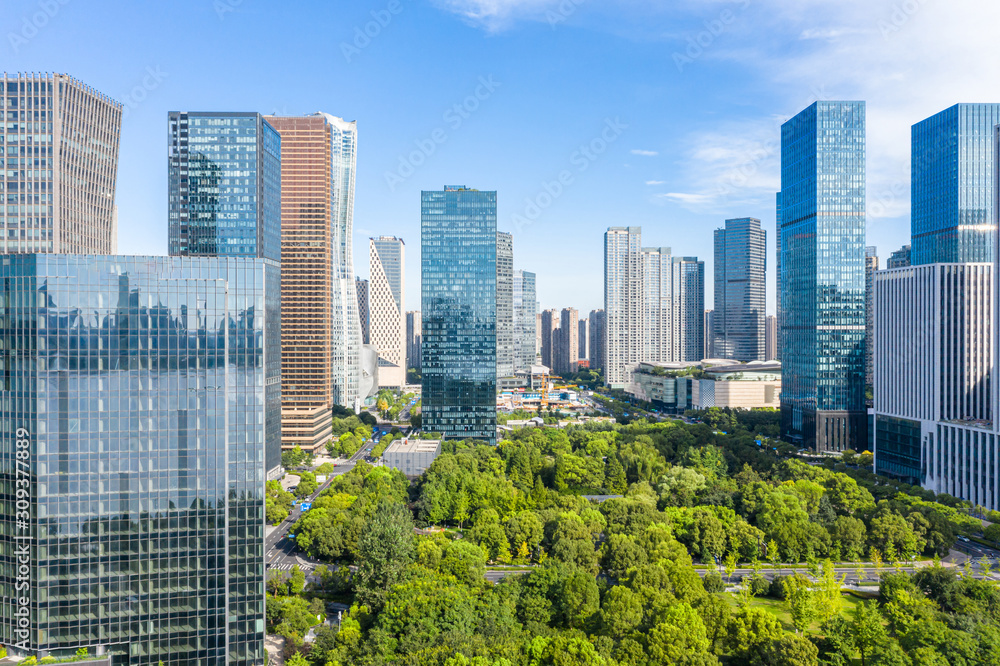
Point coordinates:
pixel 525 320
pixel 224 200
pixel 953 185
pixel 871 268
pixel 505 305
pixel 823 277
pixel 740 296
pixel 60 166
pixel 321 329
pixel 133 395
pixel 689 308
pixel 414 338
pixel 459 296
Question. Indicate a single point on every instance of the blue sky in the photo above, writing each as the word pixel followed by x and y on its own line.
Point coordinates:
pixel 680 103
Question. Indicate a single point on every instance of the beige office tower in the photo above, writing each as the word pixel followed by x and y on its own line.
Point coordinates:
pixel 387 318
pixel 321 345
pixel 60 140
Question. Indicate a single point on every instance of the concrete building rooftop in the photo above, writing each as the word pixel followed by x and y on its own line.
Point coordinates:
pixel 413 446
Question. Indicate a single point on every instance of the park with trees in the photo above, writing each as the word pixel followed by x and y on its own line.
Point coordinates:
pixel 645 577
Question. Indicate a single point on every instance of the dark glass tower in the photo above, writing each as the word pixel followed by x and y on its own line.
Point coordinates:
pixel 134 390
pixel 459 293
pixel 823 277
pixel 225 201
pixel 952 185
pixel 740 267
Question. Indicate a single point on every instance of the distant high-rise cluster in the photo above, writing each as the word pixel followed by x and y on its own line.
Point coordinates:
pixel 654 305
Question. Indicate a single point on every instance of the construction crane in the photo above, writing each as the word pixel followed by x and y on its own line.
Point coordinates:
pixel 545 392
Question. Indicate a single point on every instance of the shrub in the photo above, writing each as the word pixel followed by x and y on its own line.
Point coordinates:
pixel 713 582
pixel 759 586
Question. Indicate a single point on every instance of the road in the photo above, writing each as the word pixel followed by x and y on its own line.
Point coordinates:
pixel 280 553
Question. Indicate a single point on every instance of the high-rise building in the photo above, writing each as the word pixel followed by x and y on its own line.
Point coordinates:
pixel 387 267
pixel 598 340
pixel 952 184
pixel 321 329
pixel 654 303
pixel 525 318
pixel 413 338
pixel 934 360
pixel 582 336
pixel 224 200
pixel 871 267
pixel 459 295
pixel 900 258
pixel 709 341
pixel 505 305
pixel 771 338
pixel 137 394
pixel 823 277
pixel 549 329
pixel 61 168
pixel 623 297
pixel 740 291
pixel 689 309
pixel 778 274
pixel 565 344
pixel 361 288
pixel 658 306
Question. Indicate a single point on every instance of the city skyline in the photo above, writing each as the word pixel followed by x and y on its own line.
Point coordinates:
pixel 704 143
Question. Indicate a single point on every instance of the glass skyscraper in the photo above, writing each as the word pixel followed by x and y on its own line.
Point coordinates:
pixel 689 308
pixel 59 166
pixel 459 294
pixel 823 277
pixel 505 305
pixel 224 200
pixel 740 296
pixel 525 320
pixel 953 185
pixel 133 398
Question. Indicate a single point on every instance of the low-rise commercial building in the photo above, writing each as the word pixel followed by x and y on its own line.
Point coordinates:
pixel 676 387
pixel 412 457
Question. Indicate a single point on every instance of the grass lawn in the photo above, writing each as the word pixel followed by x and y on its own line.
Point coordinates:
pixel 779 608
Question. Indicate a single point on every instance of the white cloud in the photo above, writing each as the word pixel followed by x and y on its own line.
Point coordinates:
pixel 686 198
pixel 496 15
pixel 645 153
pixel 656 182
pixel 906 60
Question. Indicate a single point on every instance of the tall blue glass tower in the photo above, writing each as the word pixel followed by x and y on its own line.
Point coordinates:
pixel 133 396
pixel 952 185
pixel 225 201
pixel 459 293
pixel 823 277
